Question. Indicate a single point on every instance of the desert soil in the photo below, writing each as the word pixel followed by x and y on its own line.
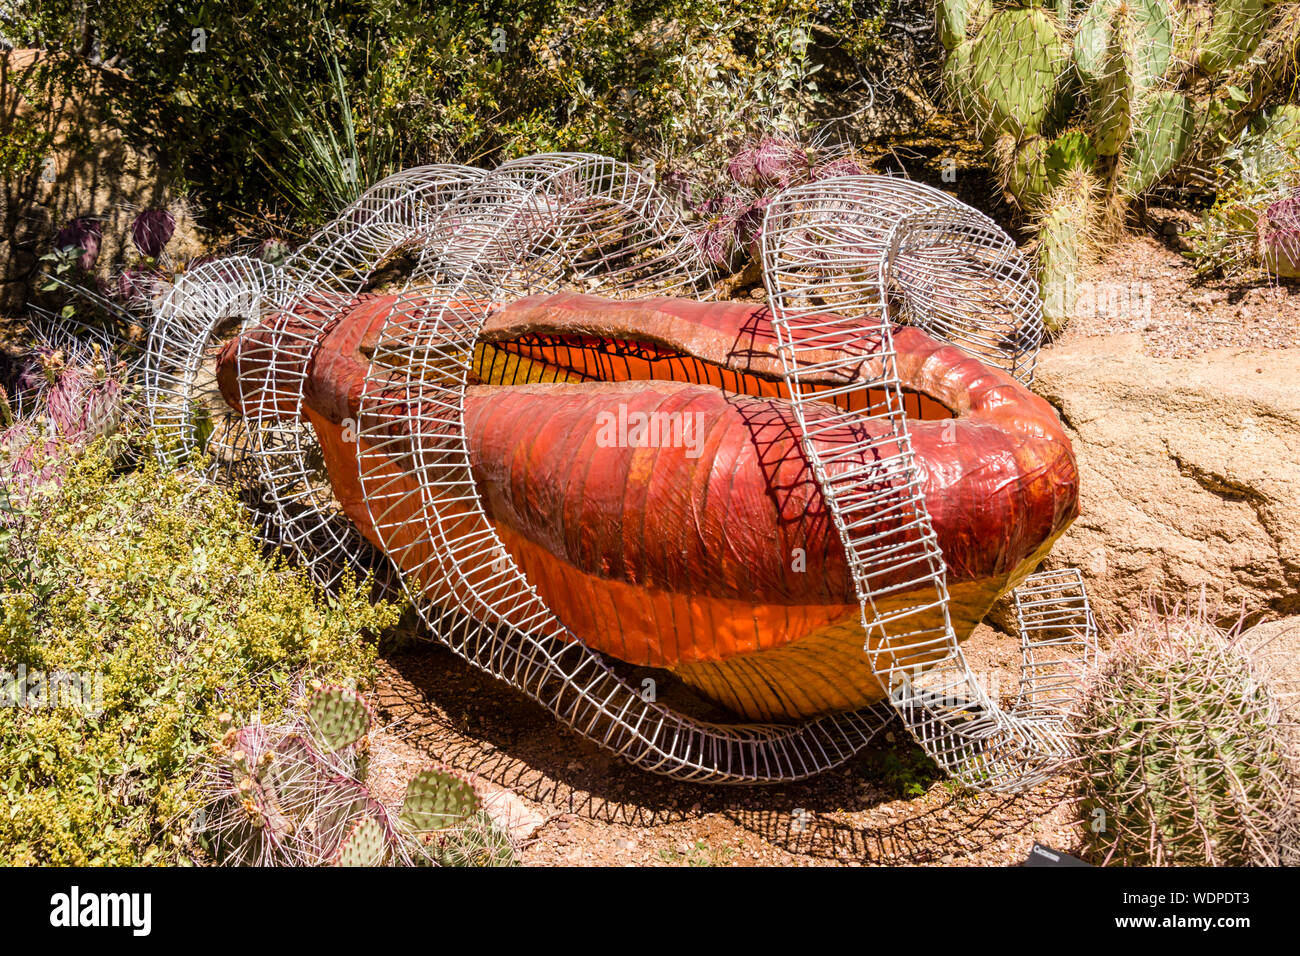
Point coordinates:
pixel 1145 285
pixel 570 803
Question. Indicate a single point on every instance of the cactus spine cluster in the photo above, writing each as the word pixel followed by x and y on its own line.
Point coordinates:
pixel 1104 89
pixel 1182 755
pixel 296 795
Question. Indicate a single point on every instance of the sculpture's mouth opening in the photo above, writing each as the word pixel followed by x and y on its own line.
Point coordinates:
pixel 551 358
pixel 731 346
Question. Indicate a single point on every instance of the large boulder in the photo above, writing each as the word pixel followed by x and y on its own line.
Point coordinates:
pixel 1189 472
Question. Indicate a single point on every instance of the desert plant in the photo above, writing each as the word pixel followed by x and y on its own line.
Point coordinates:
pixel 1122 93
pixel 84 235
pixel 295 794
pixel 251 101
pixel 1181 755
pixel 151 230
pixel 1250 225
pixel 67 394
pixel 111 301
pixel 156 587
pixel 728 224
pixel 1279 237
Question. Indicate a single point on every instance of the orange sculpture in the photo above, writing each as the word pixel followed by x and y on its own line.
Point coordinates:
pixel 641 463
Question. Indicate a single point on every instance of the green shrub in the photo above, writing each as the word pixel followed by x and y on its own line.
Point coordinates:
pixel 279 105
pixel 1260 169
pixel 157 583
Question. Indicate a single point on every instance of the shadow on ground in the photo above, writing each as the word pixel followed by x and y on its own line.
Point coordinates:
pixel 886 806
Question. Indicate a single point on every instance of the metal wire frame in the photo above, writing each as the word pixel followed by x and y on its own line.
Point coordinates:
pixel 954 273
pixel 1058 639
pixel 320 279
pixel 950 269
pixel 392 215
pixel 537 224
pixel 323 278
pixel 225 294
pixel 460 576
pixel 825 248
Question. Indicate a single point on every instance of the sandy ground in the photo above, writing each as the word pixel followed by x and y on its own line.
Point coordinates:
pixel 569 803
pixel 1144 285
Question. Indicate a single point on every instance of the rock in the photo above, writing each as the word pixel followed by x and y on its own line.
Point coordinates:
pixel 509 812
pixel 1189 472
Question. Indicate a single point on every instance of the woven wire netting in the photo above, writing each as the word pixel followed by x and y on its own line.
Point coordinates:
pixel 874 249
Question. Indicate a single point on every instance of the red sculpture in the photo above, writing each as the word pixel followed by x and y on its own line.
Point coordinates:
pixel 641 463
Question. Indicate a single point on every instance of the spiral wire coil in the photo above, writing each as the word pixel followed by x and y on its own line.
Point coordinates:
pixel 860 245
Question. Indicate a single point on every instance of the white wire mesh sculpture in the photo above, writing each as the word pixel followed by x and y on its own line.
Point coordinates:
pixel 490 246
pixel 838 232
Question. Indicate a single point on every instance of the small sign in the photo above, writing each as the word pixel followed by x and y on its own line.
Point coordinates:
pixel 1045 856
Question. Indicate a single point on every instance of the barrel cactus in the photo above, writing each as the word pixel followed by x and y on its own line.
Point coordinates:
pixel 1279 237
pixel 1125 82
pixel 1182 755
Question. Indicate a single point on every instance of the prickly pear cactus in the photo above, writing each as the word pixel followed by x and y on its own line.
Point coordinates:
pixel 1145 28
pixel 1119 79
pixel 369 843
pixel 478 843
pixel 1228 32
pixel 958 19
pixel 338 717
pixel 1016 64
pixel 1121 89
pixel 1162 130
pixel 1066 243
pixel 294 795
pixel 437 799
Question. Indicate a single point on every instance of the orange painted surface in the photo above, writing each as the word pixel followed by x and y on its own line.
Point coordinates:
pixel 711 553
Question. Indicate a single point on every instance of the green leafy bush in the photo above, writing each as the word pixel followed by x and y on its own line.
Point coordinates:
pixel 278 105
pixel 157 584
pixel 1260 169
